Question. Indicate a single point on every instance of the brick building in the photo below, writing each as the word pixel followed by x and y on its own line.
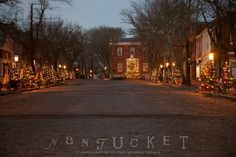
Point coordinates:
pixel 8 50
pixel 128 56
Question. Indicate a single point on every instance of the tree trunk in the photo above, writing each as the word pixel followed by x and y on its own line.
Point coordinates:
pixel 188 63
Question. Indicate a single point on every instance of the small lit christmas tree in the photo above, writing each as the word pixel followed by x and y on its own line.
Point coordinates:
pixel 168 75
pixel 176 78
pixel 62 75
pixel 49 75
pixel 132 71
pixel 71 75
pixel 27 78
pixel 225 83
pixel 14 74
pixel 208 79
pixel 154 75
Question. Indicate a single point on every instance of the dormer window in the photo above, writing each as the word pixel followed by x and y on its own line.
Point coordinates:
pixel 119 51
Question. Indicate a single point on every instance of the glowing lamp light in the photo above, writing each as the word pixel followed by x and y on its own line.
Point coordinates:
pixel 16 58
pixel 59 66
pixel 91 71
pixel 173 64
pixel 105 68
pixel 64 67
pixel 211 56
pixel 161 66
pixel 167 64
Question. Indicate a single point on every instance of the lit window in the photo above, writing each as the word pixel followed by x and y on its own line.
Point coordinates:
pixel 145 67
pixel 119 51
pixel 120 67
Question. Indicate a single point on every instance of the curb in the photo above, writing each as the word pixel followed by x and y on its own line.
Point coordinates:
pixel 179 86
pixel 233 98
pixel 30 89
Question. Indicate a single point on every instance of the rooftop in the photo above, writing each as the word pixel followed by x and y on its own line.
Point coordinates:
pixel 128 40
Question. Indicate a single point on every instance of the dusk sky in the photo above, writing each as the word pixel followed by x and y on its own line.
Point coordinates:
pixel 92 13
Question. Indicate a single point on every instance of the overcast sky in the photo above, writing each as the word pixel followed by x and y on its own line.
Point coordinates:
pixel 92 13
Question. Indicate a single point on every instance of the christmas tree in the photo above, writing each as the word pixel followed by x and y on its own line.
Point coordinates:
pixel 176 77
pixel 225 83
pixel 168 75
pixel 27 78
pixel 208 79
pixel 14 74
pixel 132 71
pixel 49 75
pixel 154 75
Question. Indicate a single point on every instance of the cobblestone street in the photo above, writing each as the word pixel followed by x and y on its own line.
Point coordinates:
pixel 132 118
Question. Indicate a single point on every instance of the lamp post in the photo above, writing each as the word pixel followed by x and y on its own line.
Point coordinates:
pixel 167 64
pixel 188 71
pixel 211 57
pixel 16 59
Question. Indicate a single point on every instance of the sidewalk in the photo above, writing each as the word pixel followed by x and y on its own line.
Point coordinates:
pixel 231 95
pixel 3 93
pixel 194 88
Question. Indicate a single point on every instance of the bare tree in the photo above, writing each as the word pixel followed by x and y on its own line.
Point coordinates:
pixel 8 1
pixel 60 43
pixel 9 12
pixel 31 33
pixel 98 40
pixel 158 23
pixel 214 14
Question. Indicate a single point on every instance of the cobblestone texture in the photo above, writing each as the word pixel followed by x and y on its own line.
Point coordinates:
pixel 105 109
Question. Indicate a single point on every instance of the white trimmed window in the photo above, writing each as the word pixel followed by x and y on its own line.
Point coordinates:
pixel 132 51
pixel 145 67
pixel 120 67
pixel 232 63
pixel 119 51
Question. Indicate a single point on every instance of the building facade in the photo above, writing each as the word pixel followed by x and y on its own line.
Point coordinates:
pixel 8 49
pixel 129 60
pixel 205 47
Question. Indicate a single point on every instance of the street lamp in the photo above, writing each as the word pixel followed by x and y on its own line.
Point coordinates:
pixel 211 56
pixel 167 64
pixel 16 58
pixel 189 60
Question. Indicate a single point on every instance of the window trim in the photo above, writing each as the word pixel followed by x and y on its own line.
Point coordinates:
pixel 145 67
pixel 133 51
pixel 119 51
pixel 120 67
